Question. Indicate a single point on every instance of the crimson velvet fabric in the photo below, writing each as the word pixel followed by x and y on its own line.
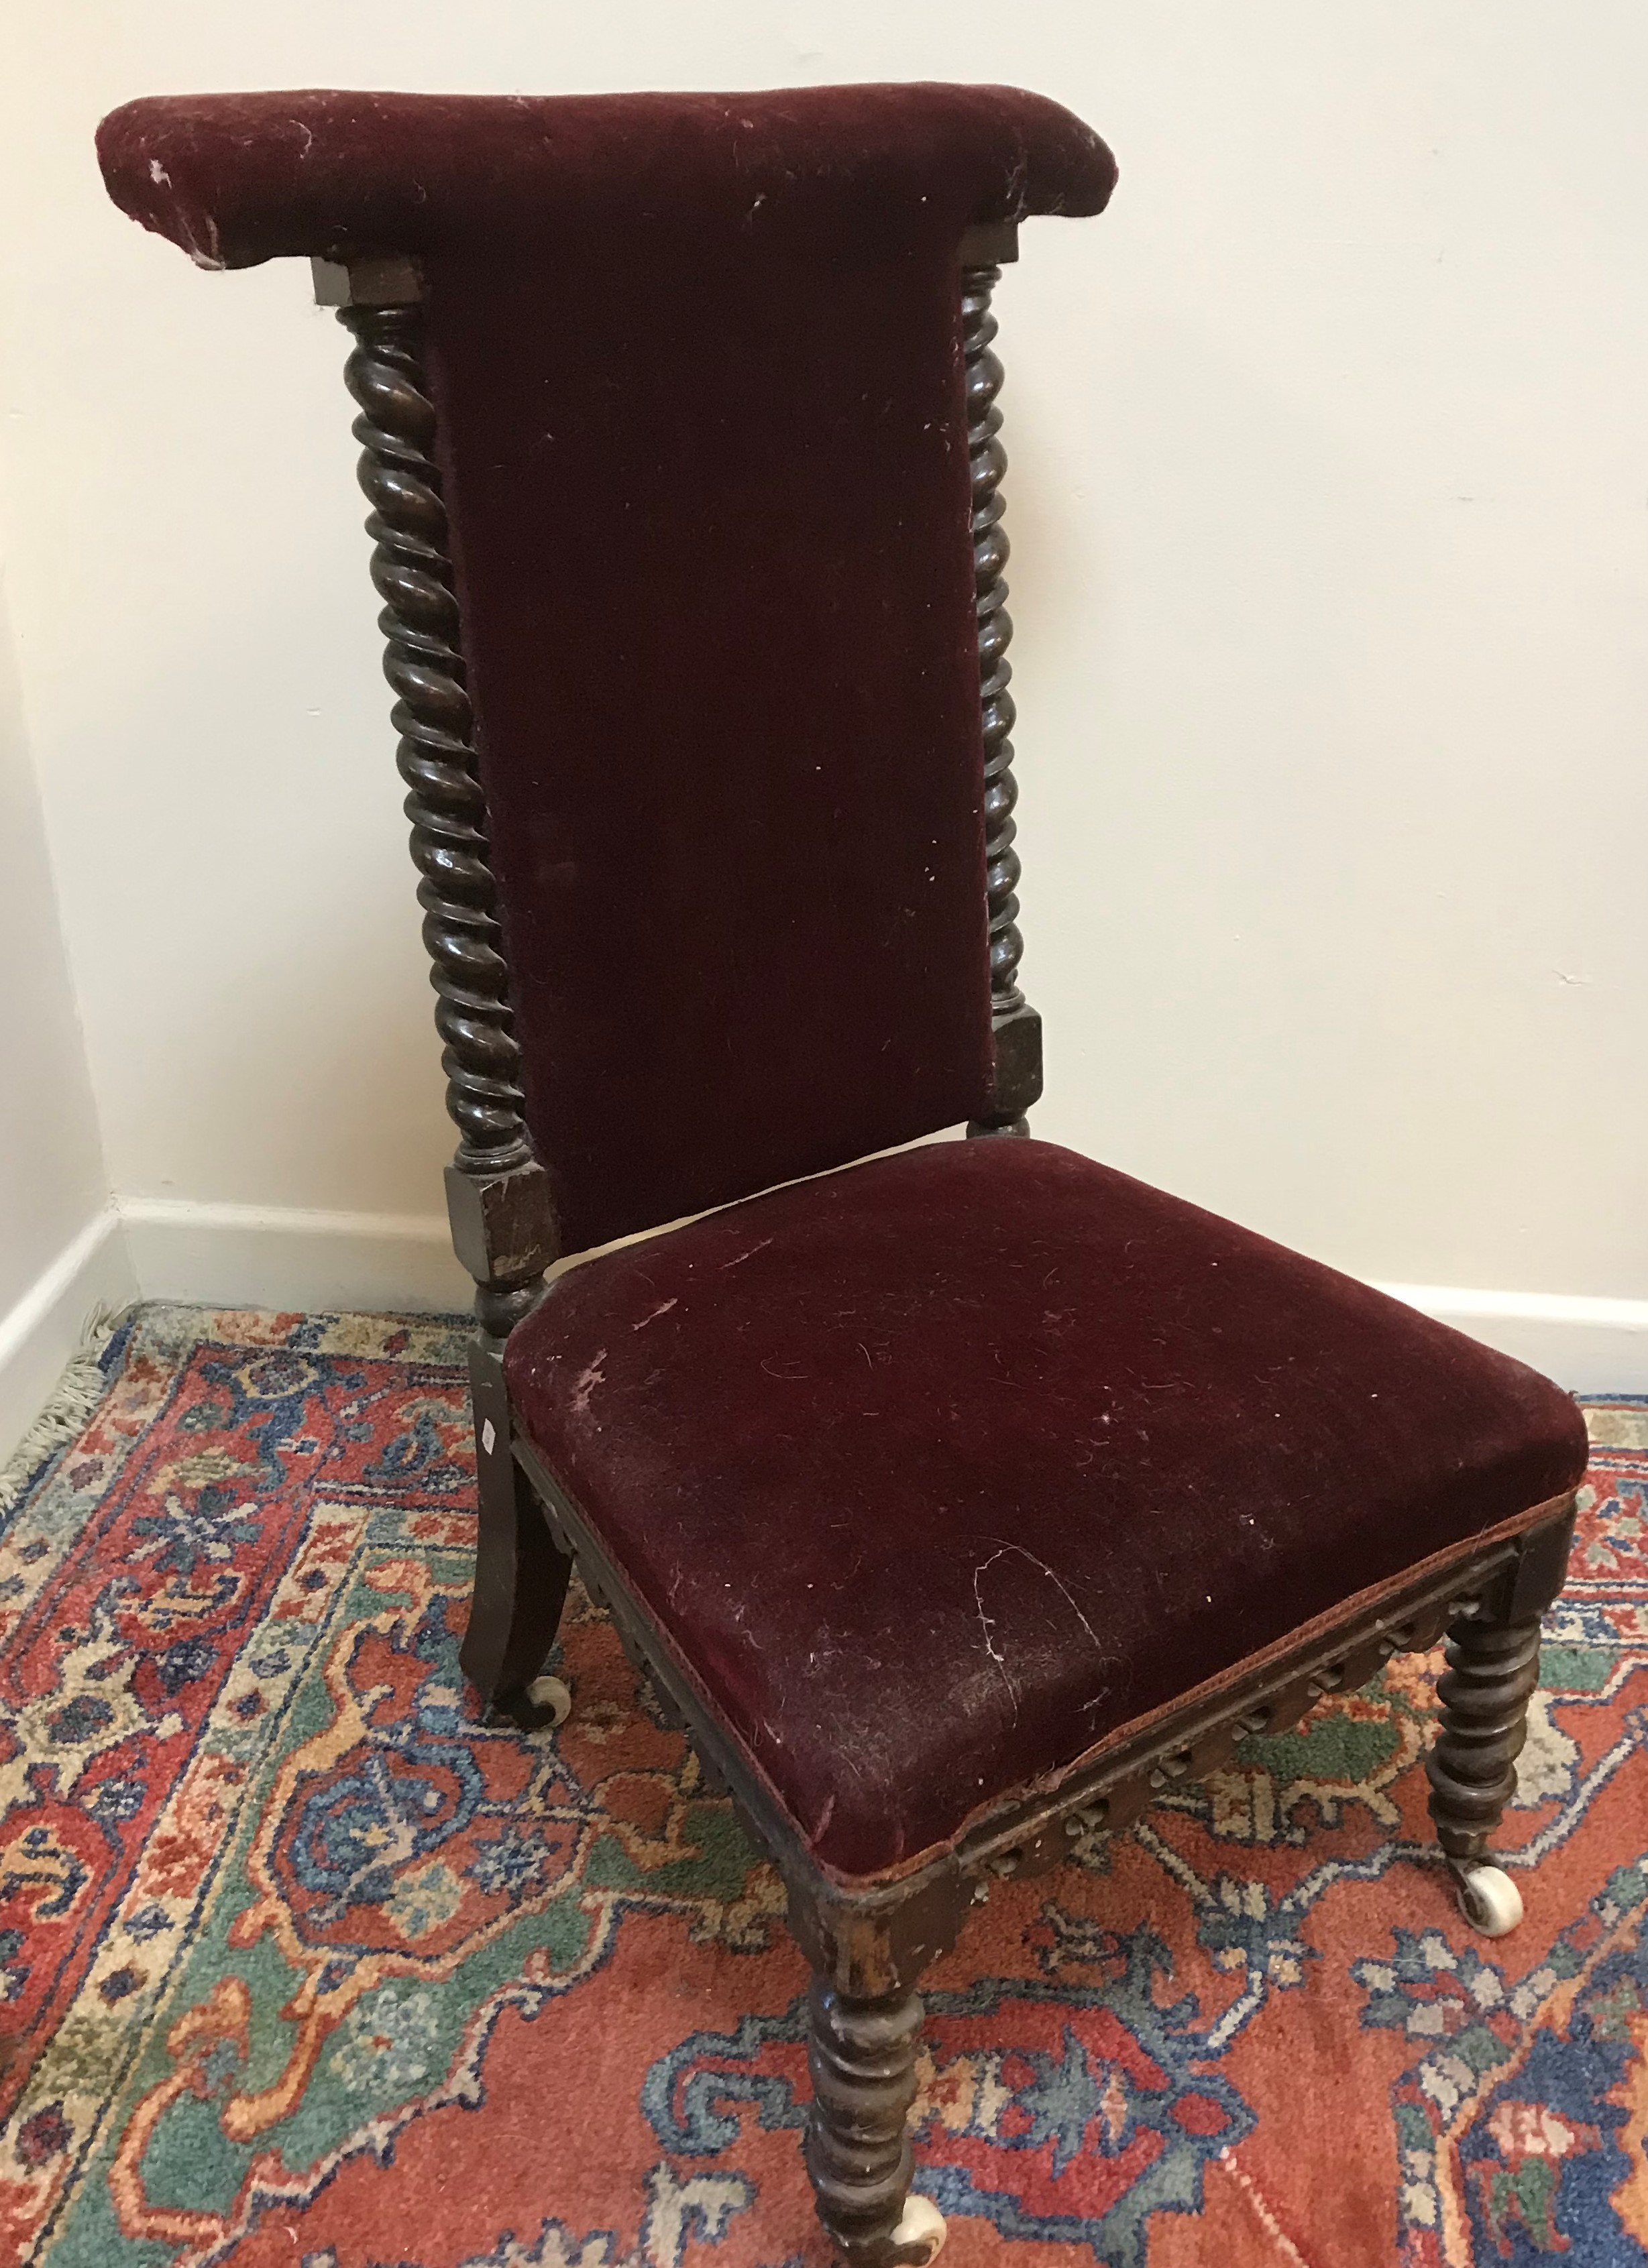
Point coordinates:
pixel 697 365
pixel 935 1472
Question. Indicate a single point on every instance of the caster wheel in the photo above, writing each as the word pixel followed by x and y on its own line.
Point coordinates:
pixel 552 1697
pixel 920 2234
pixel 1490 1900
pixel 546 1701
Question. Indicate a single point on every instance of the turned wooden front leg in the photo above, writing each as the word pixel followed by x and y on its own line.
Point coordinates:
pixel 861 2054
pixel 1484 1692
pixel 1493 1667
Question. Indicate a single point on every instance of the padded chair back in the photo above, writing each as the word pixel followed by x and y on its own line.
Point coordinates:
pixel 695 363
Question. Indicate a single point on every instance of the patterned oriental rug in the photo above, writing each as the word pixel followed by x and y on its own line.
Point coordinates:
pixel 301 1965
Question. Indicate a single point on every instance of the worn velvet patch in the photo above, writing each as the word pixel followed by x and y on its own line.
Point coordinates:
pixel 937 1470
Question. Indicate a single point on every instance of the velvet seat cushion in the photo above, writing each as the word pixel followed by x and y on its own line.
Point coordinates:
pixel 937 1471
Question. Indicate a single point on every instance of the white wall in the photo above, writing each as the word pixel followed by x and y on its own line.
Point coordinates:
pixel 1330 505
pixel 60 1247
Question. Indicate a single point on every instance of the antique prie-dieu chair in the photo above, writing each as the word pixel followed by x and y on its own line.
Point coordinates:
pixel 956 1499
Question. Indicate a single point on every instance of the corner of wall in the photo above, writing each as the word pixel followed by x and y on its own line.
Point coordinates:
pixel 92 1277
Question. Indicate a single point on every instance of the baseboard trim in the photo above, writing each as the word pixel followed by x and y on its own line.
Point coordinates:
pixel 281 1256
pixel 284 1257
pixel 1591 1346
pixel 42 1334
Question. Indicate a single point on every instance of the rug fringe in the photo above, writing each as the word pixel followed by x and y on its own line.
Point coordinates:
pixel 75 1397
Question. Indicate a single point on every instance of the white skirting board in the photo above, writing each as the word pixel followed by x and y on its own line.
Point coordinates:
pixel 42 1333
pixel 231 1255
pixel 234 1256
pixel 1591 1346
pixel 220 1255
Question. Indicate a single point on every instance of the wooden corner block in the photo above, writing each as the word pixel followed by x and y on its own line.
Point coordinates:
pixel 502 1225
pixel 1017 1037
pixel 376 282
pixel 989 244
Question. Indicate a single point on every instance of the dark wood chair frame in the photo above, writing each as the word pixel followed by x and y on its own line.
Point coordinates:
pixel 866 1947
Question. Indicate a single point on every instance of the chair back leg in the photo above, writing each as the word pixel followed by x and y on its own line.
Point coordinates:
pixel 502 1225
pixel 521 1571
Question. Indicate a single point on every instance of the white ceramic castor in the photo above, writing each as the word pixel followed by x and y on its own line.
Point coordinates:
pixel 550 1693
pixel 1489 1899
pixel 921 2224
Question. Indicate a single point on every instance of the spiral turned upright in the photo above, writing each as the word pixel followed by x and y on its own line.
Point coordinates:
pixel 1493 1669
pixel 861 2056
pixel 987 460
pixel 412 570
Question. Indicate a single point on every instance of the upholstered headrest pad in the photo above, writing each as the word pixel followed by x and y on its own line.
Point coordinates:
pixel 236 179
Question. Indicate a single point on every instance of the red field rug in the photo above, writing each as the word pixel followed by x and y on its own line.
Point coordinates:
pixel 302 1967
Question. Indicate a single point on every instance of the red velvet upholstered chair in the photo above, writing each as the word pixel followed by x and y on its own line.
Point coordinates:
pixel 958 1499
